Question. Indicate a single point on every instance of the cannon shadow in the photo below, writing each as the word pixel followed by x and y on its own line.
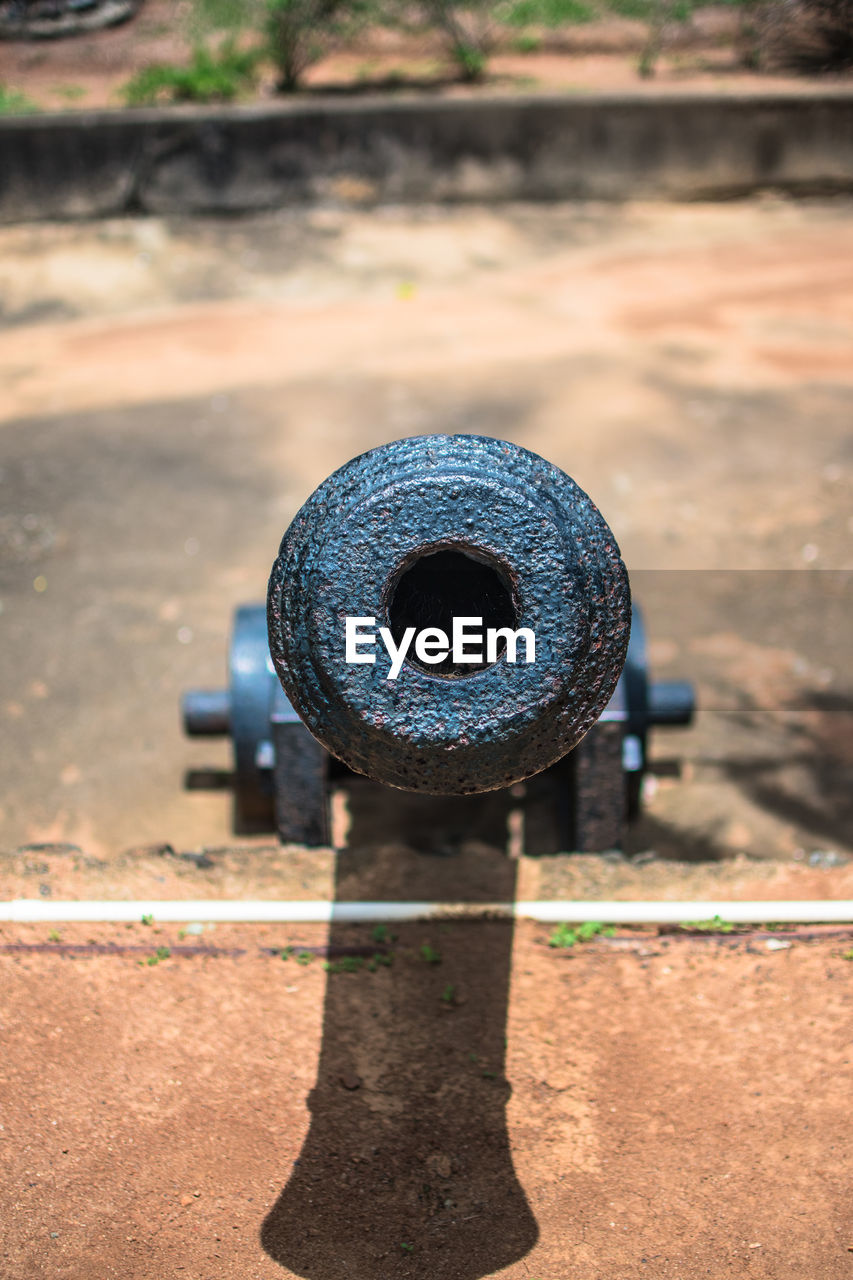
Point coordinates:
pixel 406 1169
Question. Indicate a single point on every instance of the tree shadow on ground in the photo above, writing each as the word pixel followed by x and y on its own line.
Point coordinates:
pixel 807 782
pixel 406 1169
pixel 390 83
pixel 651 835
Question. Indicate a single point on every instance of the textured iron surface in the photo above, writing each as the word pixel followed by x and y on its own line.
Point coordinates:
pixel 300 780
pixel 597 791
pixel 551 552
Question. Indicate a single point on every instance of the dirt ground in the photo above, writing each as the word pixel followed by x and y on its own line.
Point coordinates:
pixel 90 71
pixel 642 1105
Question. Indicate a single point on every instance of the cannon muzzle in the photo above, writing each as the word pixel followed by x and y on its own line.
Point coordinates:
pixel 448 614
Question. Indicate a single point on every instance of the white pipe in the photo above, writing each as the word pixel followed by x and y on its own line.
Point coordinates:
pixel 41 911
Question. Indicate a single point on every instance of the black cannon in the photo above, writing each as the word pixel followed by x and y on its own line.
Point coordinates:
pixel 450 615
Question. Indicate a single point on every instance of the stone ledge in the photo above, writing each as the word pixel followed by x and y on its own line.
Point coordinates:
pixel 195 160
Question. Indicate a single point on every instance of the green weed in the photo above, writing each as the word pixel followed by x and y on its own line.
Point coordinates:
pixel 566 936
pixel 716 925
pixel 213 75
pixel 430 955
pixel 13 103
pixel 472 62
pixel 346 964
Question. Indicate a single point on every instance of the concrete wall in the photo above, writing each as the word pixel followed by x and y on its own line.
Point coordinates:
pixel 195 160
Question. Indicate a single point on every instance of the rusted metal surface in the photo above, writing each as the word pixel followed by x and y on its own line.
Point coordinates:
pixel 596 786
pixel 411 536
pixel 533 551
pixel 300 778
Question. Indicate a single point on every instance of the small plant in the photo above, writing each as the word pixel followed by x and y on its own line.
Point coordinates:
pixel 407 1248
pixel 162 953
pixel 301 32
pixel 470 28
pixel 147 920
pixel 847 955
pixel 430 955
pixel 648 59
pixel 13 103
pixel 53 936
pixel 564 936
pixel 304 957
pixel 489 1075
pixel 659 14
pixel 346 964
pixel 471 61
pixel 527 42
pixel 380 933
pixel 287 952
pixel 213 75
pixel 448 995
pixel 715 925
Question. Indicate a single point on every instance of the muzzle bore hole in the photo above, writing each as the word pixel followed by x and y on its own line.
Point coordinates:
pixel 442 585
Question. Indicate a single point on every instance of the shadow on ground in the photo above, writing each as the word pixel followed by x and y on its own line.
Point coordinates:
pixel 808 783
pixel 406 1169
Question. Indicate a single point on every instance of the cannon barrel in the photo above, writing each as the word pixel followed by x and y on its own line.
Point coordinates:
pixel 404 541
